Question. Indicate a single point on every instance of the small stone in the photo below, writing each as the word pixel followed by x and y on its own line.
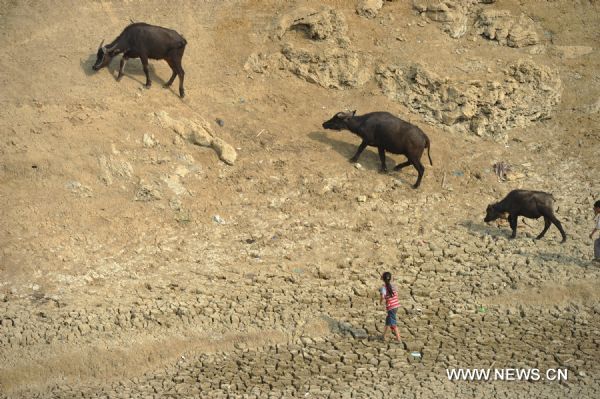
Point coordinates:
pixel 147 193
pixel 369 8
pixel 149 140
pixel 361 198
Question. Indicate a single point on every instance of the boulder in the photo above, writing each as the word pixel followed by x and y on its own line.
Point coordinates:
pixel 200 133
pixel 369 8
pixel 529 92
pixel 501 26
pixel 326 24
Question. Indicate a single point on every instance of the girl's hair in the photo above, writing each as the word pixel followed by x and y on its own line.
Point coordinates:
pixel 387 277
pixel 597 204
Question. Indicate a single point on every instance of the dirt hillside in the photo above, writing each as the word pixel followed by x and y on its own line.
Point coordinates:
pixel 137 260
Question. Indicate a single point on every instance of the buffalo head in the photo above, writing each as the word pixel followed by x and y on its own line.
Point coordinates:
pixel 491 214
pixel 104 56
pixel 338 122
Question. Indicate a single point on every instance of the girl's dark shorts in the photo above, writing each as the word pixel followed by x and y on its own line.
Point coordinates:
pixel 390 319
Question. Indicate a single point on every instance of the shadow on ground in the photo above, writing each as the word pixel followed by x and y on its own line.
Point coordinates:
pixel 133 70
pixel 369 159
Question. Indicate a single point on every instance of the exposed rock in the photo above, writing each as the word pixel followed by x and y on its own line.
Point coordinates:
pixel 149 140
pixel 443 11
pixel 528 93
pixel 369 8
pixel 591 108
pixel 174 183
pixel 78 188
pixel 453 14
pixel 198 132
pixel 325 24
pixel 317 61
pixel 226 152
pixel 330 67
pixel 501 26
pixel 113 167
pixel 457 27
pixel 571 51
pixel 146 192
pixel 175 204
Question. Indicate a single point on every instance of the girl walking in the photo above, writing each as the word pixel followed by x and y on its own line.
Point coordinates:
pixel 389 294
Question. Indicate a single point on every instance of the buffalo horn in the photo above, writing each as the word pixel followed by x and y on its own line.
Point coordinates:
pixel 109 50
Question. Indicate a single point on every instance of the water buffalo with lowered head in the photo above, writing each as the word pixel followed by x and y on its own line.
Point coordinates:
pixel 143 41
pixel 531 204
pixel 388 133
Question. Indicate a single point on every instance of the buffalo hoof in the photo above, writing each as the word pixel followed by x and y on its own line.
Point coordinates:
pixel 383 171
pixel 119 78
pixel 148 85
pixel 181 93
pixel 563 241
pixel 353 160
pixel 166 86
pixel 415 186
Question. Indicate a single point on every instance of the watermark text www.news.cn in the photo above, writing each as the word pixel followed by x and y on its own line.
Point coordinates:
pixel 507 374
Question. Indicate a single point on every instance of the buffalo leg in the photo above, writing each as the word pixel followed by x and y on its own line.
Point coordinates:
pixel 121 66
pixel 382 159
pixel 174 75
pixel 558 225
pixel 177 56
pixel 420 170
pixel 547 224
pixel 402 165
pixel 181 74
pixel 512 220
pixel 361 148
pixel 144 60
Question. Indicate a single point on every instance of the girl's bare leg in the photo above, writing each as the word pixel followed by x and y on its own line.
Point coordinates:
pixel 395 331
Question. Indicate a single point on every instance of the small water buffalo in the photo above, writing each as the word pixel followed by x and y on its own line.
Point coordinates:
pixel 143 41
pixel 531 204
pixel 388 133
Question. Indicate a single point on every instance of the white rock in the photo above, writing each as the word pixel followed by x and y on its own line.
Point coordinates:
pixel 369 8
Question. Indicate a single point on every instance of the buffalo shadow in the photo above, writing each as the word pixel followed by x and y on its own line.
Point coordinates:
pixel 541 255
pixel 483 228
pixel 133 69
pixel 369 158
pixel 560 257
pixel 524 229
pixel 86 65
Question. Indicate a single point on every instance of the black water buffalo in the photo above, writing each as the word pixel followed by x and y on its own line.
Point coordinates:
pixel 531 204
pixel 143 41
pixel 388 133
